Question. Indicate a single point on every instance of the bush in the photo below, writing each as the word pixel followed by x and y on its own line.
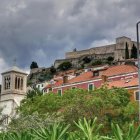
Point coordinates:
pixel 109 105
pixel 65 66
pixel 97 62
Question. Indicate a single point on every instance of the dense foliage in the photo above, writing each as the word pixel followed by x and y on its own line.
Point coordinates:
pixel 97 62
pixel 109 105
pixel 110 58
pixel 86 130
pixel 134 52
pixel 33 65
pixel 64 66
pixel 126 52
pixel 86 60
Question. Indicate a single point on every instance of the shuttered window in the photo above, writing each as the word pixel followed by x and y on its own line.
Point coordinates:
pixel 60 92
pixel 90 87
pixel 137 95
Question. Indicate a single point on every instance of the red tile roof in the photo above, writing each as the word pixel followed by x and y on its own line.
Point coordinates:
pixel 82 77
pixel 58 83
pixel 120 69
pixel 111 71
pixel 124 83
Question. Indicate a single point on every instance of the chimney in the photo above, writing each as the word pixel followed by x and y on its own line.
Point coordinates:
pixel 104 78
pixel 65 79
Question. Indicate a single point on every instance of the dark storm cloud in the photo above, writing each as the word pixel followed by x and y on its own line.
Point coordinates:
pixel 43 30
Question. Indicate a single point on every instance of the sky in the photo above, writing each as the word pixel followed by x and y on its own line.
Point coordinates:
pixel 43 30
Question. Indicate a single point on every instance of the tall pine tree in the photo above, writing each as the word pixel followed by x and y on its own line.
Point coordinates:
pixel 126 51
pixel 134 52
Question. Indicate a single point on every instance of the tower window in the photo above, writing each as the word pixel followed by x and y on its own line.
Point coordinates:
pixel 7 82
pixel 19 83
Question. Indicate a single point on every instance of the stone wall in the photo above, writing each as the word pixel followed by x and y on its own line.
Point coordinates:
pixel 116 50
pixel 108 49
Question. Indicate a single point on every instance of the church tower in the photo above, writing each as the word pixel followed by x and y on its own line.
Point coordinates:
pixel 14 82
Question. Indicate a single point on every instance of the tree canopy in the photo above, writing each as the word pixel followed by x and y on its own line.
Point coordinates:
pixel 33 65
pixel 52 69
pixel 110 58
pixel 86 59
pixel 109 105
pixel 134 52
pixel 65 66
pixel 126 51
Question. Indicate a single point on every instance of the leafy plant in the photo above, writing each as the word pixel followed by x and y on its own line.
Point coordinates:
pixel 90 129
pixel 65 66
pixel 53 132
pixel 132 133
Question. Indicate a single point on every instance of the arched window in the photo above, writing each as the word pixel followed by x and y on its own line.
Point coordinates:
pixel 16 83
pixel 7 81
pixel 22 84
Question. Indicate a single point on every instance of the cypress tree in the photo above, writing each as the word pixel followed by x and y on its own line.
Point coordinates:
pixel 126 51
pixel 134 52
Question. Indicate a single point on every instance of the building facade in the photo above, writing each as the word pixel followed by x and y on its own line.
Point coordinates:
pixel 14 83
pixel 125 76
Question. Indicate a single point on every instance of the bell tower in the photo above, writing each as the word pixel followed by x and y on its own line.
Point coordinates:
pixel 14 82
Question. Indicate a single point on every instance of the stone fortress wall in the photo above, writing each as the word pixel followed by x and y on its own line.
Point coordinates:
pixel 116 50
pixel 103 50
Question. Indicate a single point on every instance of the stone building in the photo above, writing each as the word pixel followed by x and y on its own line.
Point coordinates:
pixel 14 83
pixel 116 50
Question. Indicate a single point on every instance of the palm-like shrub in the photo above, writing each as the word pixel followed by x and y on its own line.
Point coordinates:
pixel 52 132
pixel 16 136
pixel 132 134
pixel 89 129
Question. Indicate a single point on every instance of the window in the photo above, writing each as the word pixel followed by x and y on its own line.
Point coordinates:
pixel 38 86
pixel 5 119
pixel 22 84
pixel 60 92
pixel 90 87
pixel 96 73
pixel 7 81
pixel 42 85
pixel 19 83
pixel 136 95
pixel 50 89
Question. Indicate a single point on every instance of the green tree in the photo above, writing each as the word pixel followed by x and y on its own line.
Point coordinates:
pixel 33 65
pixel 126 51
pixel 86 59
pixel 52 69
pixel 134 52
pixel 108 105
pixel 97 62
pixel 65 66
pixel 110 59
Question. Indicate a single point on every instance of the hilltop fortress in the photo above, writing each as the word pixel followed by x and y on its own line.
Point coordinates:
pixel 116 50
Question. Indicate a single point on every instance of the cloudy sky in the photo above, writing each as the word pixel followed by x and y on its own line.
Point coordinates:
pixel 43 30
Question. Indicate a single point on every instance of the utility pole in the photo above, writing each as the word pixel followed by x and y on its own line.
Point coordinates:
pixel 138 51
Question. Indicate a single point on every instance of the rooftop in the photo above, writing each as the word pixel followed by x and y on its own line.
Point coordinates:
pixel 15 69
pixel 124 83
pixel 120 69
